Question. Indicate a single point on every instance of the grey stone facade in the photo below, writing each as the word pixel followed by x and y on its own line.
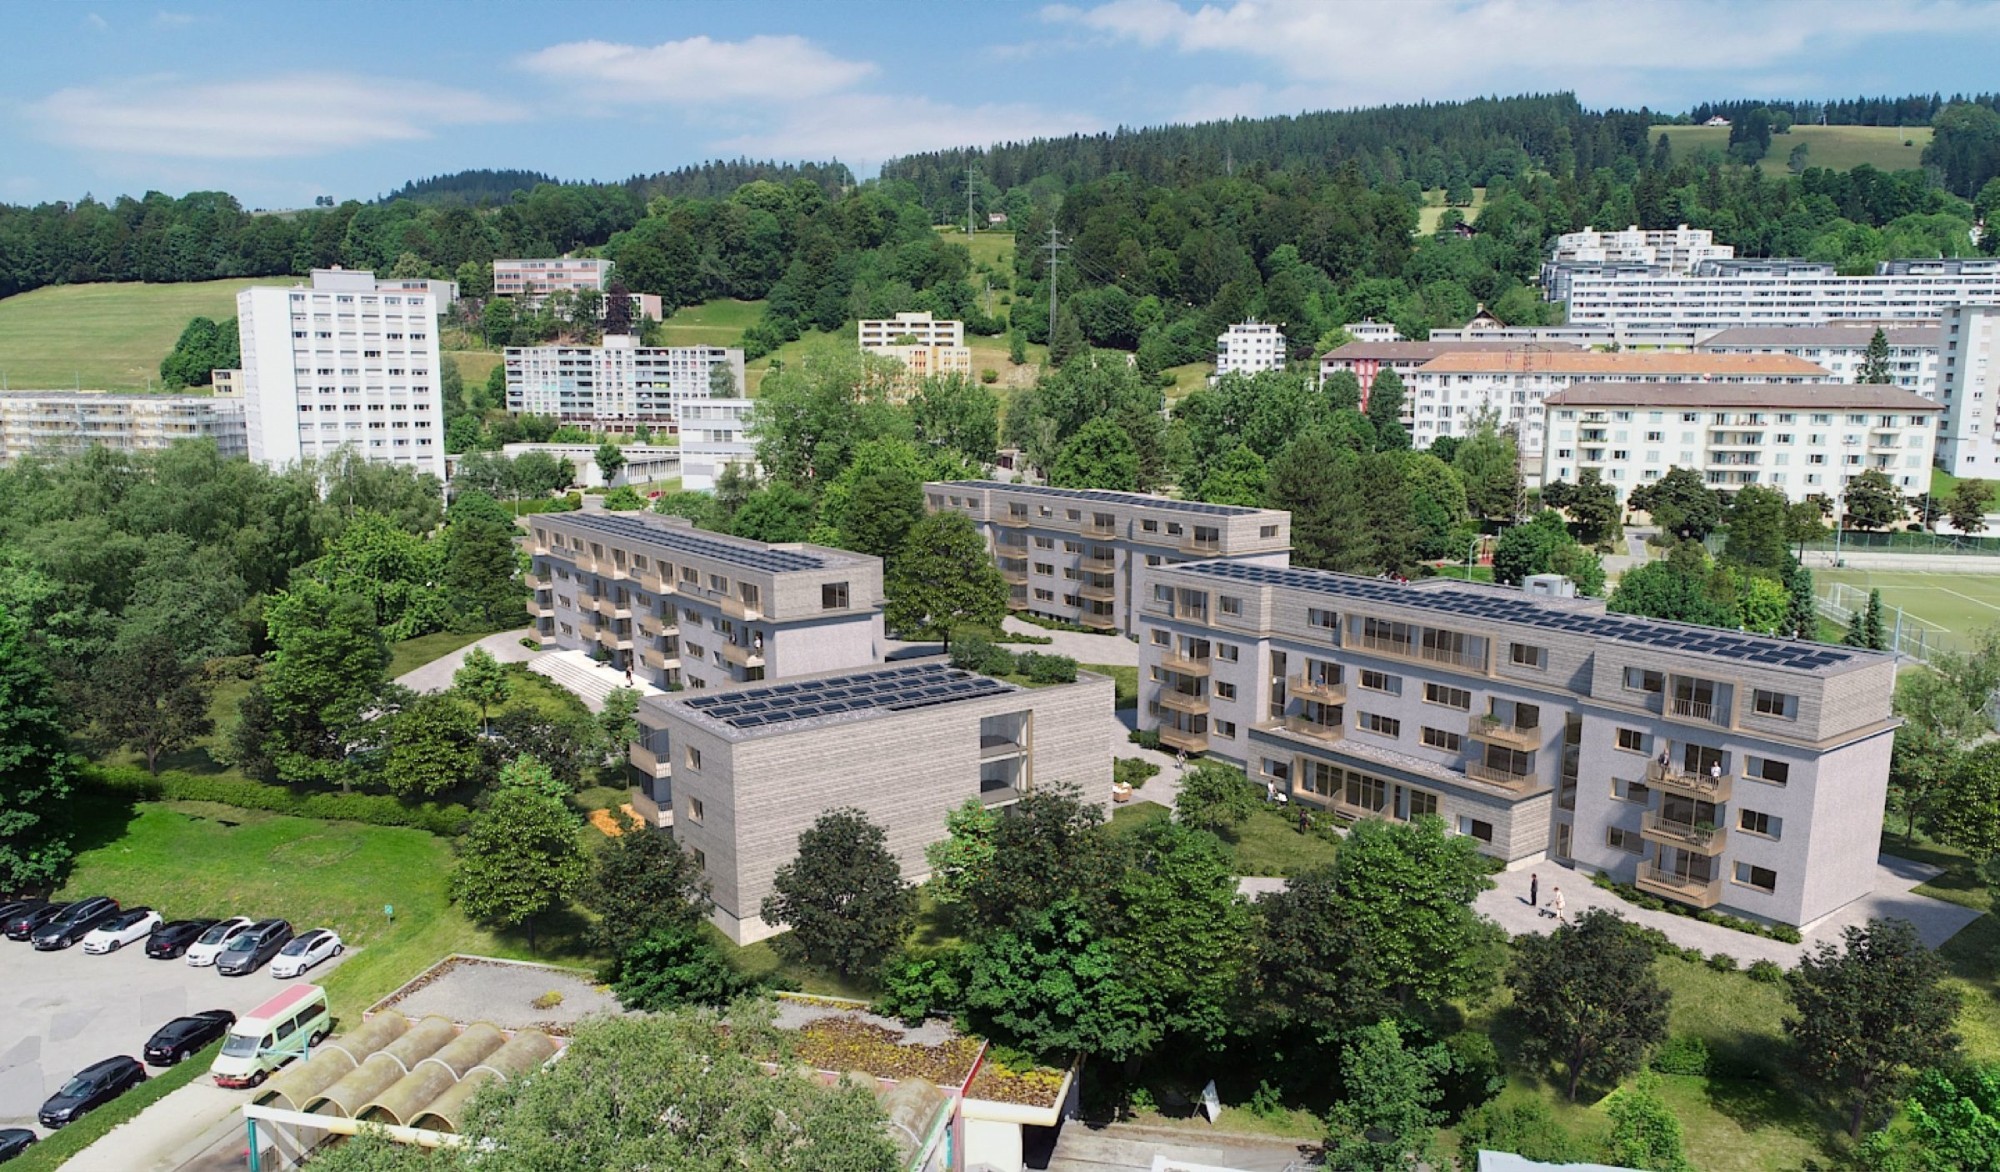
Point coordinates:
pixel 1710 767
pixel 741 796
pixel 1076 554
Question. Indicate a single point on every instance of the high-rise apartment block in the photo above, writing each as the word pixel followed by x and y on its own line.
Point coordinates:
pixel 926 346
pixel 337 364
pixel 1076 554
pixel 1723 294
pixel 1803 440
pixel 1841 349
pixel 1970 444
pixel 1709 767
pixel 738 775
pixel 65 422
pixel 1250 347
pixel 1675 249
pixel 531 280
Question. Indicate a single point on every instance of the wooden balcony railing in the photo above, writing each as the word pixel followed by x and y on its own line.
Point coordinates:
pixel 1699 892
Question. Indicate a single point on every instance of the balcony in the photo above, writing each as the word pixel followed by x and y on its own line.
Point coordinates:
pixel 1017 600
pixel 612 608
pixel 1694 837
pixel 993 746
pixel 1090 565
pixel 612 639
pixel 1190 702
pixel 1695 709
pixel 1501 732
pixel 1096 528
pixel 1200 546
pixel 536 581
pixel 652 583
pixel 1097 593
pixel 1303 688
pixel 1098 620
pixel 648 762
pixel 613 570
pixel 1180 738
pixel 656 658
pixel 1012 576
pixel 653 624
pixel 1702 893
pixel 740 655
pixel 1308 728
pixel 1012 520
pixel 1182 665
pixel 737 608
pixel 541 608
pixel 1493 775
pixel 1709 787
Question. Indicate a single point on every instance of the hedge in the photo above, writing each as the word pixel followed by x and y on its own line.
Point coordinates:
pixel 374 809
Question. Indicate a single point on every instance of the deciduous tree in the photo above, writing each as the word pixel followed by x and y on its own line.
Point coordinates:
pixel 963 858
pixel 1645 1133
pixel 483 683
pixel 1183 930
pixel 35 771
pixel 1214 797
pixel 1053 986
pixel 520 858
pixel 1387 1116
pixel 1101 455
pixel 433 747
pixel 146 697
pixel 1967 504
pixel 1872 501
pixel 642 882
pixel 610 460
pixel 1680 503
pixel 673 966
pixel 1588 999
pixel 304 719
pixel 942 578
pixel 842 896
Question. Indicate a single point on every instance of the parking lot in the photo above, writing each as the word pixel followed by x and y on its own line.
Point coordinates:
pixel 62 1011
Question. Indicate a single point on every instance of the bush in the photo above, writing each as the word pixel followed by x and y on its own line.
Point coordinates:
pixel 989 376
pixel 1526 1128
pixel 1145 738
pixel 1471 1074
pixel 373 809
pixel 976 653
pixel 1785 933
pixel 572 501
pixel 1694 956
pixel 548 1000
pixel 675 966
pixel 919 984
pixel 1046 669
pixel 1767 972
pixel 1722 962
pixel 1682 1054
pixel 1133 771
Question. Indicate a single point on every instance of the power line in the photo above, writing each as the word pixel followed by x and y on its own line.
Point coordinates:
pixel 971 174
pixel 1054 246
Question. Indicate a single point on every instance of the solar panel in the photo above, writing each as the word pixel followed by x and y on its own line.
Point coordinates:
pixel 895 689
pixel 681 539
pixel 1526 612
pixel 1105 497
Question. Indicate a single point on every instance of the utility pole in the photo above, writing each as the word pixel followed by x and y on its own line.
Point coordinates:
pixel 971 173
pixel 1055 246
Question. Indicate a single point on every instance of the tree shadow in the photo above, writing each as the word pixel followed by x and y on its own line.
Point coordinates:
pixel 94 819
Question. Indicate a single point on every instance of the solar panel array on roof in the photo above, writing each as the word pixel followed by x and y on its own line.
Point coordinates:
pixel 1522 611
pixel 1102 497
pixel 897 689
pixel 776 561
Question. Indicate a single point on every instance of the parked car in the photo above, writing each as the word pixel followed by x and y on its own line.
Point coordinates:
pixel 14 1141
pixel 93 1086
pixel 172 938
pixel 249 952
pixel 22 924
pixel 127 927
pixel 76 921
pixel 14 907
pixel 174 1041
pixel 305 951
pixel 204 951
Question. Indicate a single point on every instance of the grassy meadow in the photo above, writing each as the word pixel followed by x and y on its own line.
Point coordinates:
pixel 1839 148
pixel 108 337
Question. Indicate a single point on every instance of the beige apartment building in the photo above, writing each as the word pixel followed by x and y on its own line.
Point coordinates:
pixel 1076 554
pixel 926 346
pixel 740 774
pixel 1711 767
pixel 63 422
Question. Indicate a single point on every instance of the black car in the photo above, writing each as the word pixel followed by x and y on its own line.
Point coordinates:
pixel 250 951
pixel 183 1036
pixel 93 1086
pixel 10 908
pixel 75 922
pixel 22 924
pixel 14 1141
pixel 171 939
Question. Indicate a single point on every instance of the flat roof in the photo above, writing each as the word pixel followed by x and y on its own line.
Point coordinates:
pixel 900 688
pixel 686 539
pixel 1857 396
pixel 1425 351
pixel 1106 497
pixel 1518 361
pixel 1477 607
pixel 287 998
pixel 1823 335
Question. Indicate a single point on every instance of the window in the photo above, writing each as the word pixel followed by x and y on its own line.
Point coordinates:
pixel 1630 791
pixel 1227 652
pixel 1777 704
pixel 1382 681
pixel 1624 840
pixel 693 757
pixel 1474 828
pixel 1528 655
pixel 1149 526
pixel 1046 568
pixel 1325 619
pixel 1765 769
pixel 1225 728
pixel 833 596
pixel 1423 802
pixel 1162 638
pixel 1320 779
pixel 1644 679
pixel 1229 605
pixel 1438 738
pixel 1631 740
pixel 700 859
pixel 1267 531
pixel 1762 878
pixel 1382 726
pixel 1448 696
pixel 695 811
pixel 1225 691
pixel 1163 593
pixel 1045 543
pixel 1366 793
pixel 1758 822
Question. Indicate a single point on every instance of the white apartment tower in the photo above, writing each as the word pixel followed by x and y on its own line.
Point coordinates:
pixel 1250 348
pixel 1721 294
pixel 1970 441
pixel 338 363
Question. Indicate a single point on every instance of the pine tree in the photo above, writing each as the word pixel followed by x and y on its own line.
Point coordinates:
pixel 1865 628
pixel 1875 361
pixel 1803 617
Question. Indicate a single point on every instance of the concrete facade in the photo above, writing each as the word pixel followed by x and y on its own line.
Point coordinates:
pixel 1677 249
pixel 1913 350
pixel 63 422
pixel 1970 445
pixel 1710 767
pixel 738 797
pixel 1076 554
pixel 1720 294
pixel 1250 347
pixel 1366 359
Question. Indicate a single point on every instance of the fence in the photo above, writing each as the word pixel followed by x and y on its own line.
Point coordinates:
pixel 1855 541
pixel 1909 636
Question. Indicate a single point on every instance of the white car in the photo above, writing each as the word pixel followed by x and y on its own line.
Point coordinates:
pixel 203 952
pixel 306 950
pixel 127 927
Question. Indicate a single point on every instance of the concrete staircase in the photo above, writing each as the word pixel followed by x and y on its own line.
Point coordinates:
pixel 584 677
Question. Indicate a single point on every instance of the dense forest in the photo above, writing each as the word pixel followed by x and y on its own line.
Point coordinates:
pixel 1912 110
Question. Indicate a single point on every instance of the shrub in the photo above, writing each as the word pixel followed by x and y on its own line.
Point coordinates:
pixel 1133 771
pixel 976 653
pixel 1722 962
pixel 1145 738
pixel 1526 1128
pixel 548 1000
pixel 1265 1101
pixel 373 809
pixel 989 376
pixel 675 966
pixel 918 984
pixel 572 501
pixel 1046 669
pixel 1471 1073
pixel 1785 933
pixel 1767 972
pixel 1682 1054
pixel 1694 956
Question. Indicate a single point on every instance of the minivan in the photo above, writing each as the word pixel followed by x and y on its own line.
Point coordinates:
pixel 271 1035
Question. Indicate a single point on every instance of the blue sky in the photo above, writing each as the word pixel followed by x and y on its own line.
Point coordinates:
pixel 281 101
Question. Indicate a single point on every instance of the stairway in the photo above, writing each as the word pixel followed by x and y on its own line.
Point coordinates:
pixel 585 678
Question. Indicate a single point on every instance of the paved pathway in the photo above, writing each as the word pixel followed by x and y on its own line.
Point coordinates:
pixel 1115 650
pixel 1936 920
pixel 435 676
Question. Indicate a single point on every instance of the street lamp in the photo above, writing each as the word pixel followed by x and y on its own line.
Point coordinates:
pixel 1471 553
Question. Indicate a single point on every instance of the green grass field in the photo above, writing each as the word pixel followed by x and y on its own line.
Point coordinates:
pixel 1434 208
pixel 993 249
pixel 1837 147
pixel 107 337
pixel 474 366
pixel 1945 606
pixel 712 323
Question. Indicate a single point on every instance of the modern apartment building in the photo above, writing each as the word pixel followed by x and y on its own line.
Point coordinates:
pixel 1076 554
pixel 1721 294
pixel 686 608
pixel 644 463
pixel 532 280
pixel 926 346
pixel 1250 348
pixel 337 363
pixel 444 292
pixel 1711 767
pixel 1913 349
pixel 738 775
pixel 1970 443
pixel 1803 440
pixel 1448 394
pixel 1365 360
pixel 63 422
pixel 1598 336
pixel 1677 249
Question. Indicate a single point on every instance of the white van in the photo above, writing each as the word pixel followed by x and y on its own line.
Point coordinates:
pixel 271 1035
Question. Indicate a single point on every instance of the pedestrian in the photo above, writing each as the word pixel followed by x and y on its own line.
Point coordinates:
pixel 1305 820
pixel 1556 902
pixel 1180 761
pixel 628 675
pixel 1534 890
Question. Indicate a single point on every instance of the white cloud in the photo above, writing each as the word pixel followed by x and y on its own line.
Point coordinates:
pixel 97 22
pixel 698 70
pixel 1368 51
pixel 868 128
pixel 272 117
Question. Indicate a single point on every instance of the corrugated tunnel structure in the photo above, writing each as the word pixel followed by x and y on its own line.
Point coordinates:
pixel 433 1076
pixel 334 1061
pixel 383 1069
pixel 524 1052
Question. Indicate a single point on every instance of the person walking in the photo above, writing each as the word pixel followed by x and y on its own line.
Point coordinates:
pixel 1534 889
pixel 1556 902
pixel 1180 761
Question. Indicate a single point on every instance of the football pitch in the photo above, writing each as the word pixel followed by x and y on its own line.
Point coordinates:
pixel 1946 607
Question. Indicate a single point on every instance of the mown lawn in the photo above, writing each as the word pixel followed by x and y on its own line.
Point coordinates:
pixel 1838 148
pixel 1267 844
pixel 411 654
pixel 712 323
pixel 1125 679
pixel 104 337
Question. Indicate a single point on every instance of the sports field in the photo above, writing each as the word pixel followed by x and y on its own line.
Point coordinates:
pixel 1944 606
